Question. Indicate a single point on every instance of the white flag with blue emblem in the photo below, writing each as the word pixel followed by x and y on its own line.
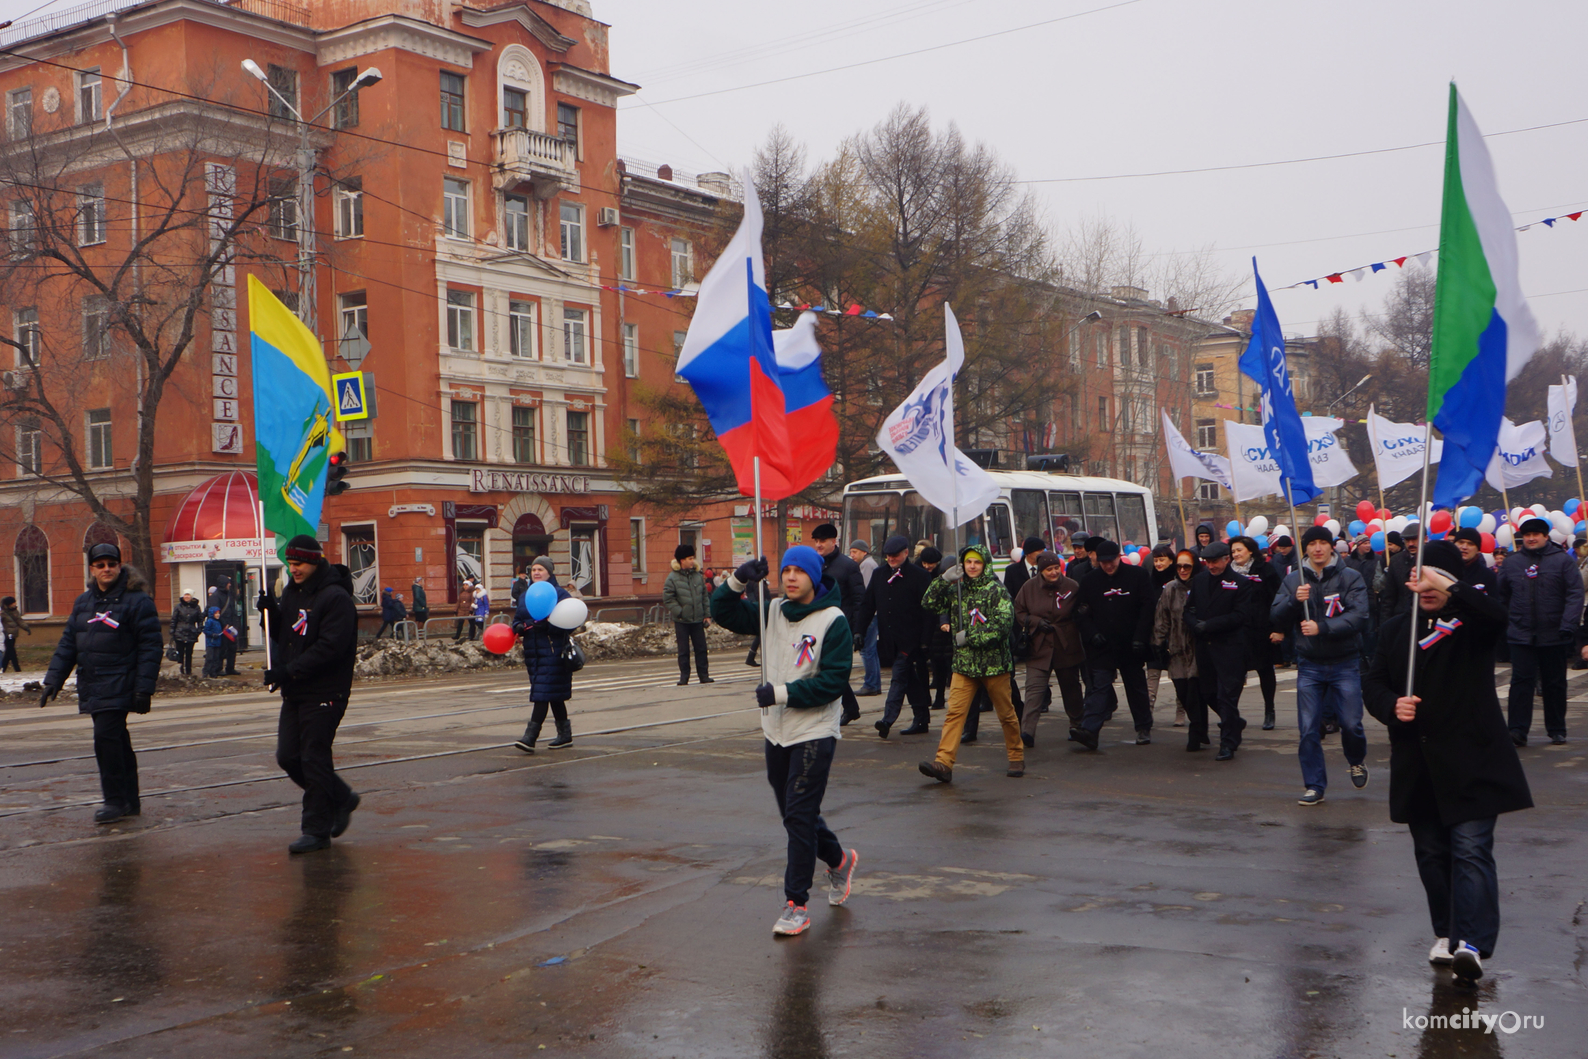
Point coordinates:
pixel 919 437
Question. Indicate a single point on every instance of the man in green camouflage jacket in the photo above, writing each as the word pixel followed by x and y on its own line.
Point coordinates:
pixel 979 614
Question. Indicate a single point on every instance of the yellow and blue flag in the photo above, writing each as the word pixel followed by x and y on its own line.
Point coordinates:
pixel 294 422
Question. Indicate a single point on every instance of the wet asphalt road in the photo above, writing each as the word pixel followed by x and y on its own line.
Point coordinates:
pixel 616 899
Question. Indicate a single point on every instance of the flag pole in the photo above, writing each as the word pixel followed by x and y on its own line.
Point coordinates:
pixel 1577 460
pixel 264 578
pixel 1306 611
pixel 1417 560
pixel 1382 507
pixel 1180 496
pixel 760 589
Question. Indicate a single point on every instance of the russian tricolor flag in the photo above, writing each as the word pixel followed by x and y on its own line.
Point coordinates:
pixel 730 359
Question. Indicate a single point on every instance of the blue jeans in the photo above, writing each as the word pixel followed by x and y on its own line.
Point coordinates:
pixel 1456 864
pixel 798 775
pixel 868 655
pixel 1335 688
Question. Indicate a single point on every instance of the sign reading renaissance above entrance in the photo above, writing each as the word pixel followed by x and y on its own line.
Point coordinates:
pixel 483 481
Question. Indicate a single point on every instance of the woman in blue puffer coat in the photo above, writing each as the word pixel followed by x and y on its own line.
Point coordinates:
pixel 113 641
pixel 550 682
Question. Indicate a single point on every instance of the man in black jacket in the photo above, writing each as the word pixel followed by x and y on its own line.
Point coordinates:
pixel 1115 615
pixel 1540 585
pixel 1080 563
pixel 845 573
pixel 1452 770
pixel 904 632
pixel 1017 574
pixel 1222 606
pixel 313 634
pixel 1474 571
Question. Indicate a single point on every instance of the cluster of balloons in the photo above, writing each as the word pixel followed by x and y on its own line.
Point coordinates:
pixel 1257 529
pixel 540 599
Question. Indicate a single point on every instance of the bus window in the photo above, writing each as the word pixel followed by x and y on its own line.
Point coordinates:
pixel 1068 516
pixel 1132 518
pixel 870 517
pixel 1031 515
pixel 1000 538
pixel 1100 519
pixel 923 522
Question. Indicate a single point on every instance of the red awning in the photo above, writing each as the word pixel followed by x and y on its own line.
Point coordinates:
pixel 224 508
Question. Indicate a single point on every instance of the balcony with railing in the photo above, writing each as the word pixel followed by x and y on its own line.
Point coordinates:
pixel 544 162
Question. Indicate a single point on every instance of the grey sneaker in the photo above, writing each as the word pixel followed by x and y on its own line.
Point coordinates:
pixel 1466 963
pixel 839 878
pixel 1312 797
pixel 1440 953
pixel 794 920
pixel 1359 776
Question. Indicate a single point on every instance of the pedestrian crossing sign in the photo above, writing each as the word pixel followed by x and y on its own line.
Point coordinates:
pixel 350 398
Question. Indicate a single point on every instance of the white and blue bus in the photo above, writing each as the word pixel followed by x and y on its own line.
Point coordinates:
pixel 1030 504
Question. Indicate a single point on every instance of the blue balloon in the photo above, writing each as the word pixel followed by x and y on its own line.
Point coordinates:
pixel 1378 541
pixel 1262 540
pixel 539 599
pixel 1356 527
pixel 1233 528
pixel 1572 505
pixel 1582 527
pixel 1470 517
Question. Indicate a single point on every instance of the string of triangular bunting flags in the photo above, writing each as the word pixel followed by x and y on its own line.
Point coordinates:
pixel 1361 272
pixel 854 310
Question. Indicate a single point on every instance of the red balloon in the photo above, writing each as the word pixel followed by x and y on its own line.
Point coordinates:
pixel 498 639
pixel 1439 522
pixel 1318 520
pixel 1383 513
pixel 1366 511
pixel 1487 547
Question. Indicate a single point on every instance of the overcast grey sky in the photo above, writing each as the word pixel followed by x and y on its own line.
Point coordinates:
pixel 1152 85
pixel 1134 86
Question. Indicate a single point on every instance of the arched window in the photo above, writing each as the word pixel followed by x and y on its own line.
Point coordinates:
pixel 33 570
pixel 529 540
pixel 521 90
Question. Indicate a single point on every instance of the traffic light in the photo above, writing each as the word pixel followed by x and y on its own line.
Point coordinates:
pixel 336 470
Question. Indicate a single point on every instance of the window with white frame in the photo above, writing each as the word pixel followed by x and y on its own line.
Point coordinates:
pixel 29 339
pixel 524 450
pixel 460 320
pixel 521 329
pixel 515 222
pixel 574 336
pixel 1205 383
pixel 96 327
pixel 363 563
pixel 515 108
pixel 24 230
pixel 579 439
pixel 99 454
pixel 349 206
pixel 455 208
pixel 631 350
pixel 683 274
pixel 465 430
pixel 283 218
pixel 30 446
pixel 360 435
pixel 88 97
pixel 353 328
pixel 625 253
pixel 19 113
pixel 1207 434
pixel 678 347
pixel 637 546
pixel 90 214
pixel 572 220
pixel 1207 490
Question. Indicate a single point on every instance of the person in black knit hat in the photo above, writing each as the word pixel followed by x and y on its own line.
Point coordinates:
pixel 313 632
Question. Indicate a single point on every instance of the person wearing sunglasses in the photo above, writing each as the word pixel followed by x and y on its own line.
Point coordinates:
pixel 1172 635
pixel 113 641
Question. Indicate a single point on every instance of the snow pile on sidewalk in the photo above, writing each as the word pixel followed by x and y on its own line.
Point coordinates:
pixel 600 641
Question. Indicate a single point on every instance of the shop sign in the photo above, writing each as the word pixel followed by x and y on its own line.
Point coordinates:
pixel 484 481
pixel 243 548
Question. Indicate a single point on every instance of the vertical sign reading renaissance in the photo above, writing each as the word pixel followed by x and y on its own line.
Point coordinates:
pixel 221 183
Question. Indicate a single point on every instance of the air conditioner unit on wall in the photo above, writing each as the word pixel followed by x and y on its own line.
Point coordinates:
pixel 606 216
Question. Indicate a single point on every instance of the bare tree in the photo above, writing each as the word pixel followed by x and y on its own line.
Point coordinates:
pixel 1406 323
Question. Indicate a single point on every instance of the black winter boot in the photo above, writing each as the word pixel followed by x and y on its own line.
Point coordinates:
pixel 531 734
pixel 564 734
pixel 1268 719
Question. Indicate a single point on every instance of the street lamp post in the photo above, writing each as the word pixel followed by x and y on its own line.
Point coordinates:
pixel 306 161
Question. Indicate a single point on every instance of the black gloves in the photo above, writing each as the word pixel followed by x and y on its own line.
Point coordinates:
pixel 1099 640
pixel 765 694
pixel 274 676
pixel 1139 649
pixel 50 691
pixel 751 572
pixel 1199 628
pixel 266 603
pixel 521 628
pixel 142 702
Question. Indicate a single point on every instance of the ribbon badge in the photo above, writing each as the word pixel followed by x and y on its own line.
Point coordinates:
pixel 1441 630
pixel 302 623
pixel 977 617
pixel 104 618
pixel 1532 571
pixel 807 650
pixel 1332 606
pixel 896 575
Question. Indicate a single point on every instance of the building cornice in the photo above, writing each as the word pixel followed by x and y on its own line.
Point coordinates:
pixel 537 26
pixel 401 33
pixel 589 85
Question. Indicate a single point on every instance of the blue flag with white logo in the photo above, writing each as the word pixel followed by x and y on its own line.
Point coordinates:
pixel 1264 363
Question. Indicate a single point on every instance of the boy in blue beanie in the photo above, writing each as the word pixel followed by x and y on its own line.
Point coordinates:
pixel 807 653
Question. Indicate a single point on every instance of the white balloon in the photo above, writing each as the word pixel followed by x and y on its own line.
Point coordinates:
pixel 1280 531
pixel 1539 509
pixel 1015 555
pixel 569 614
pixel 1517 514
pixel 1258 526
pixel 1488 558
pixel 1486 524
pixel 1562 521
pixel 1504 536
pixel 1133 559
pixel 1558 536
pixel 1397 524
pixel 1333 526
